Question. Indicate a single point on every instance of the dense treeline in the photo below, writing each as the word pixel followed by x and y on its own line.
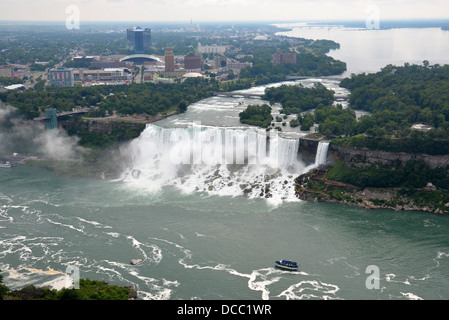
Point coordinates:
pixel 414 142
pixel 142 98
pixel 257 115
pixel 335 120
pixel 296 99
pixel 414 174
pixel 403 96
pixel 153 98
pixel 399 97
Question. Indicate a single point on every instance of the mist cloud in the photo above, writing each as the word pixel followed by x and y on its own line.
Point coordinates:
pixel 22 136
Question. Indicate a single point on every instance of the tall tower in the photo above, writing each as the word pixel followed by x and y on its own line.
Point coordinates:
pixel 139 39
pixel 169 60
pixel 52 122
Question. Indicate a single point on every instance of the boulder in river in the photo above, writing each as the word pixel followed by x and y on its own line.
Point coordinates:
pixel 135 262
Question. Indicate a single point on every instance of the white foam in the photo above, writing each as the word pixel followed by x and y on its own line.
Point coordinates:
pixel 411 296
pixel 225 162
pixel 310 289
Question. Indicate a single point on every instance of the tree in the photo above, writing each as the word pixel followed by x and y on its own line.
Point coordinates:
pixel 4 290
pixel 182 107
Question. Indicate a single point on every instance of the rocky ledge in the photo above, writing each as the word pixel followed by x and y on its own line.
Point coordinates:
pixel 314 187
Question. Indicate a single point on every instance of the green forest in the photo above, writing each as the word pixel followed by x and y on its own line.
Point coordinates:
pixel 257 115
pixel 398 98
pixel 412 175
pixel 296 99
pixel 131 99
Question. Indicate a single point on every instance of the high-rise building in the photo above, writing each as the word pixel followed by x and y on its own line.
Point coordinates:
pixel 139 39
pixel 283 58
pixel 192 62
pixel 169 60
pixel 61 77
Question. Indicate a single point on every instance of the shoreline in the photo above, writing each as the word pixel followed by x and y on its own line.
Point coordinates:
pixel 314 187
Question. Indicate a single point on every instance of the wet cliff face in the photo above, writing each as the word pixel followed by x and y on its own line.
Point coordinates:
pixel 307 150
pixel 386 158
pixel 76 125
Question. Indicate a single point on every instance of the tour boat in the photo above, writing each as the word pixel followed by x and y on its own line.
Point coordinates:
pixel 287 265
pixel 5 165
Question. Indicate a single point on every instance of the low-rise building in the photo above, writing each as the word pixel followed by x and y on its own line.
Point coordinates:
pixel 6 71
pixel 15 87
pixel 421 127
pixel 236 67
pixel 211 49
pixel 283 58
pixel 107 74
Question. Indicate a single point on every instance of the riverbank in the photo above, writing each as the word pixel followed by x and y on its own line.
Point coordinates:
pixel 315 186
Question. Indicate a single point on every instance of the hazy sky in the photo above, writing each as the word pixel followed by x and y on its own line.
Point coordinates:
pixel 220 10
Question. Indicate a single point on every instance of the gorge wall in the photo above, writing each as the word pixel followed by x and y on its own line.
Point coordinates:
pixel 308 148
pixel 386 158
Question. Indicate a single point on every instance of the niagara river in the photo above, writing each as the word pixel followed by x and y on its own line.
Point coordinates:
pixel 208 205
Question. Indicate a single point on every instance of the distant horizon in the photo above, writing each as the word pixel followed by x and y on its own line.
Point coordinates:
pixel 202 11
pixel 160 22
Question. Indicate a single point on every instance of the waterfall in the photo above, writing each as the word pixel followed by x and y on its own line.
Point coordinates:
pixel 321 153
pixel 215 160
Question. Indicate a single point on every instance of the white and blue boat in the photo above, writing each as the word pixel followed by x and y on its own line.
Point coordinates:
pixel 5 165
pixel 287 265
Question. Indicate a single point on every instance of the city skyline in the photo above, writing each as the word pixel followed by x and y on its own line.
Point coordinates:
pixel 220 10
